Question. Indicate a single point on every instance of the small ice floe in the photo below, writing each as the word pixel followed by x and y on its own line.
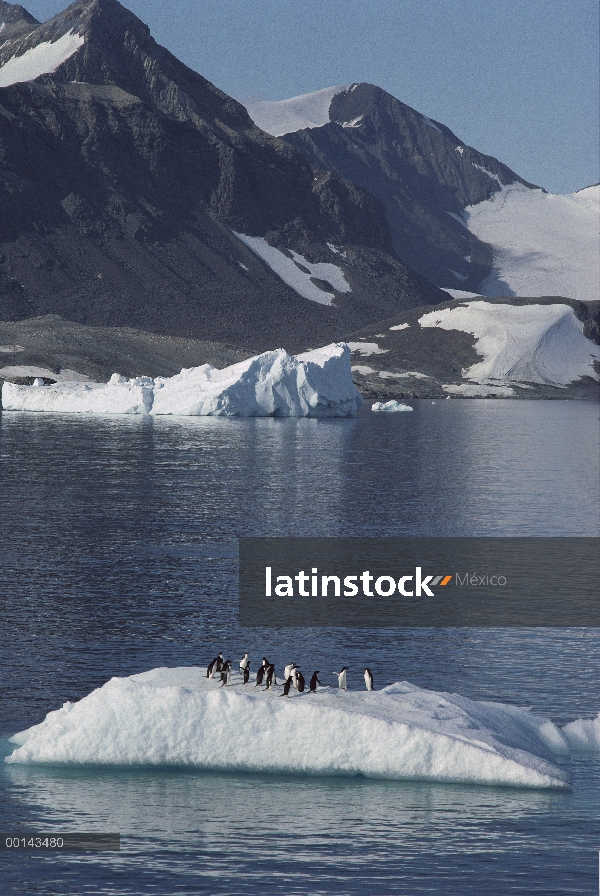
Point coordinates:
pixel 390 406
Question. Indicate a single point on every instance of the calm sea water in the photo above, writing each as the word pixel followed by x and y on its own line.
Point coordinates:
pixel 118 553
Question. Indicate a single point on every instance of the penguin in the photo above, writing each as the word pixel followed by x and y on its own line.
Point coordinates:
pixel 244 662
pixel 288 670
pixel 286 687
pixel 341 675
pixel 215 666
pixel 369 679
pixel 260 675
pixel 225 673
pixel 294 674
pixel 314 682
pixel 247 673
pixel 271 678
pixel 299 681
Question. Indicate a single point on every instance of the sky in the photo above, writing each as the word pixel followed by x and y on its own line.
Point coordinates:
pixel 517 79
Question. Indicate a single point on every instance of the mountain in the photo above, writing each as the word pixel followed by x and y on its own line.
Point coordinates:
pixel 458 217
pixel 14 20
pixel 135 193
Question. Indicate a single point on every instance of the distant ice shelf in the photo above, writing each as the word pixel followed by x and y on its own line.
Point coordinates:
pixel 178 717
pixel 274 384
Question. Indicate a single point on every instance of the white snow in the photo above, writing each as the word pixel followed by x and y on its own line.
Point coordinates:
pixel 489 173
pixel 460 149
pixel 314 384
pixel 367 348
pixel 22 370
pixel 463 294
pixel 11 349
pixel 40 60
pixel 544 244
pixel 400 327
pixel 310 110
pixel 178 717
pixel 362 368
pixel 521 343
pixel 390 406
pixel 387 374
pixel 354 123
pixel 287 268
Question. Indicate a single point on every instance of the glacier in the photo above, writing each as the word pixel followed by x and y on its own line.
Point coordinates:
pixel 544 244
pixel 179 717
pixel 317 383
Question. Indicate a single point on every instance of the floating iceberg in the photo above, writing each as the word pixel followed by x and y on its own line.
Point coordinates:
pixel 274 384
pixel 179 717
pixel 390 406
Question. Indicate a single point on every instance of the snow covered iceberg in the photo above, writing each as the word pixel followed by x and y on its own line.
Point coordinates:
pixel 274 384
pixel 179 717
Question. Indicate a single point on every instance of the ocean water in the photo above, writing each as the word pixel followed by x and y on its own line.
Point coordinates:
pixel 118 554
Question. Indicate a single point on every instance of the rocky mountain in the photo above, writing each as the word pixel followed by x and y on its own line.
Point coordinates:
pixel 422 172
pixel 135 193
pixel 14 21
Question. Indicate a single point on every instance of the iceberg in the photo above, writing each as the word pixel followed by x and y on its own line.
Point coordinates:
pixel 391 405
pixel 274 384
pixel 179 717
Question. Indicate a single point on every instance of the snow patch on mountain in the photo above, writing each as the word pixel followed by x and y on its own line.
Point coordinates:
pixel 543 244
pixel 42 59
pixel 291 270
pixel 521 343
pixel 279 117
pixel 367 348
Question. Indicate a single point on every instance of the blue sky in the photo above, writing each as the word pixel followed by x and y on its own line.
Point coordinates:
pixel 517 79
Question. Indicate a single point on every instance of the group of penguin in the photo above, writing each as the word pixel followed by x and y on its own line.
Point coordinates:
pixel 293 677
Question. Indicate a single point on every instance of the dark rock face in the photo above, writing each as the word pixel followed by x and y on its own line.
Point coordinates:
pixel 14 21
pixel 422 173
pixel 122 175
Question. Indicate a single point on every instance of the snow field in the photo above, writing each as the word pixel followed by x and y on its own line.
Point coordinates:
pixel 521 343
pixel 40 60
pixel 544 244
pixel 290 270
pixel 311 110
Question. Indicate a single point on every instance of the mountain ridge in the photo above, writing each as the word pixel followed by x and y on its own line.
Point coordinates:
pixel 124 172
